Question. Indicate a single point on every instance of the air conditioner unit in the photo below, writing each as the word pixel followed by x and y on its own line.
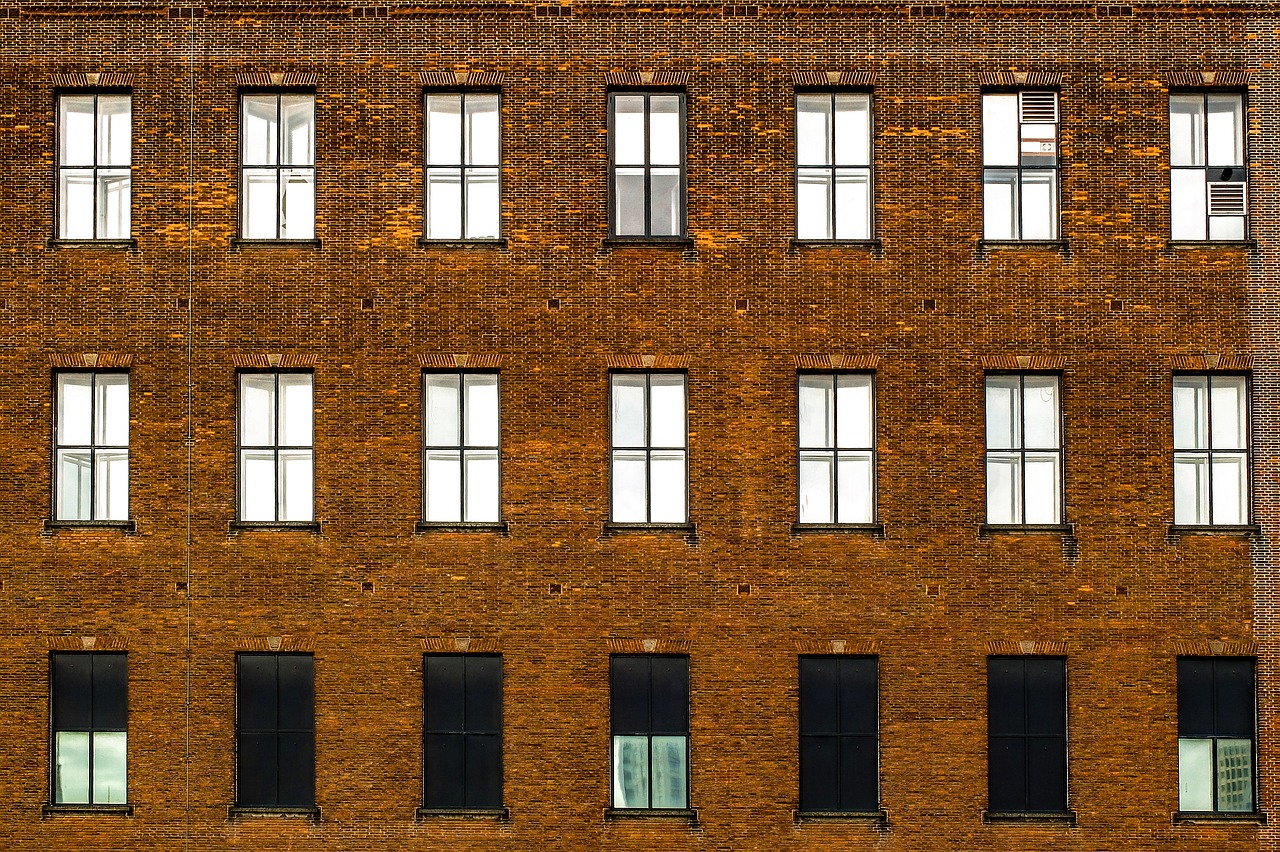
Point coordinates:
pixel 1038 107
pixel 1227 198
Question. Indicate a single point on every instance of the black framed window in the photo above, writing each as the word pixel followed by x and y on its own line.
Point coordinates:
pixel 275 731
pixel 839 734
pixel 276 447
pixel 649 696
pixel 89 728
pixel 1024 449
pixel 91 446
pixel 1216 734
pixel 461 470
pixel 95 165
pixel 463 731
pixel 277 166
pixel 463 166
pixel 647 182
pixel 1027 734
pixel 1210 449
pixel 837 454
pixel 1020 165
pixel 833 165
pixel 1208 175
pixel 650 455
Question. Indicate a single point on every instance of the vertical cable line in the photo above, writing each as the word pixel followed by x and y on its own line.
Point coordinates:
pixel 189 437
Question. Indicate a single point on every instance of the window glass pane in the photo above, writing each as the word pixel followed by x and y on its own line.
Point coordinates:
pixel 443 485
pixel 259 203
pixel 853 400
pixel 819 695
pixel 628 409
pixel 853 130
pixel 297 204
pixel 444 130
pixel 1224 130
pixel 296 410
pixel 1006 695
pixel 817 411
pixel 629 202
pixel 297 113
pixel 1190 412
pixel 74 407
pixel 71 768
pixel 444 204
pixel 999 205
pixel 1195 775
pixel 1226 227
pixel 1187 204
pixel 1039 205
pixel 670 782
pixel 113 204
pixel 1230 411
pixel 667 413
pixel 482 486
pixel 75 488
pixel 75 205
pixel 442 400
pixel 814 130
pixel 1040 412
pixel 631 772
pixel 628 130
pixel 482 129
pixel 664 216
pixel 109 759
pixel 257 485
pixel 629 503
pixel 1043 489
pixel 664 130
pixel 1186 131
pixel 258 142
pixel 1039 145
pixel 257 409
pixel 482 410
pixel 859 770
pixel 1046 696
pixel 1230 489
pixel 1191 488
pixel 111 497
pixel 855 489
pixel 482 203
pixel 112 415
pixel 114 126
pixel 1003 415
pixel 1235 775
pixel 814 200
pixel 668 479
pixel 1004 486
pixel 75 130
pixel 296 475
pixel 1000 130
pixel 853 205
pixel 817 487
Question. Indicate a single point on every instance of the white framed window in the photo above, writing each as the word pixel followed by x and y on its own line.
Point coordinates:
pixel 647 164
pixel 1020 165
pixel 837 463
pixel 1208 176
pixel 650 456
pixel 463 171
pixel 833 166
pixel 277 166
pixel 1210 449
pixel 460 454
pixel 276 448
pixel 95 165
pixel 1024 449
pixel 91 447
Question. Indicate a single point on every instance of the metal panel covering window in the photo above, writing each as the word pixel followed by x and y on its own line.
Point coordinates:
pixel 646 164
pixel 91 447
pixel 462 731
pixel 89 723
pixel 275 731
pixel 649 695
pixel 95 165
pixel 1216 732
pixel 1027 734
pixel 839 734
pixel 277 166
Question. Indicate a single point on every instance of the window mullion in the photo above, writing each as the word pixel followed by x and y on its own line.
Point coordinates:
pixel 648 176
pixel 462 173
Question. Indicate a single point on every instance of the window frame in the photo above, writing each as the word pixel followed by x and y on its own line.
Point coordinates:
pixel 240 805
pixel 1026 735
pixel 1017 225
pixel 278 166
pixel 840 660
pixel 59 167
pixel 833 169
pixel 682 234
pixel 1209 451
pixel 649 448
pixel 467 731
pixel 650 734
pixel 461 448
pixel 1212 662
pixel 1023 450
pixel 835 450
pixel 276 448
pixel 92 447
pixel 463 92
pixel 92 730
pixel 1204 94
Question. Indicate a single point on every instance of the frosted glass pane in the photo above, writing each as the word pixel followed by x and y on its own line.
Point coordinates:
pixel 1224 133
pixel 628 217
pixel 853 130
pixel 75 489
pixel 1226 227
pixel 111 500
pixel 629 504
pixel 442 410
pixel 74 401
pixel 1187 204
pixel 444 130
pixel 296 410
pixel 482 486
pixel 853 205
pixel 999 205
pixel 296 495
pixel 854 503
pixel 664 130
pixel 1043 489
pixel 1186 130
pixel 482 204
pixel 1039 205
pixel 112 425
pixel 817 412
pixel 853 404
pixel 813 130
pixel 75 205
pixel 258 141
pixel 259 204
pixel 114 130
pixel 1003 417
pixel 1190 489
pixel 628 130
pixel 1195 775
pixel 1230 489
pixel 1003 489
pixel 1190 412
pixel 444 204
pixel 257 409
pixel 813 205
pixel 298 114
pixel 670 770
pixel 667 414
pixel 75 130
pixel 1235 775
pixel 817 486
pixel 71 772
pixel 628 410
pixel 1230 411
pixel 1000 130
pixel 482 129
pixel 443 486
pixel 1040 412
pixel 482 410
pixel 114 190
pixel 664 216
pixel 631 772
pixel 297 204
pixel 257 486
pixel 668 479
pixel 109 765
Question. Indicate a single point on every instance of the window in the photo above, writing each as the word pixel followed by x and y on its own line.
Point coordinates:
pixel 1208 178
pixel 90 712
pixel 646 164
pixel 833 166
pixel 839 759
pixel 463 746
pixel 1020 166
pixel 92 447
pixel 275 731
pixel 1210 449
pixel 95 174
pixel 462 176
pixel 1027 734
pixel 650 455
pixel 1215 734
pixel 650 697
pixel 277 166
pixel 277 456
pixel 460 447
pixel 1024 450
pixel 837 448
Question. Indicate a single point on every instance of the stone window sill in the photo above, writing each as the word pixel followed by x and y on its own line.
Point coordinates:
pixel 798 243
pixel 689 815
pixel 1048 245
pixel 52 526
pixel 496 243
pixel 649 242
pixel 1248 817
pixel 876 530
pixel 239 812
pixel 1215 529
pixel 1174 245
pixel 275 526
pixel 879 817
pixel 495 814
pixel 617 528
pixel 500 527
pixel 109 245
pixel 1057 818
pixel 1025 529
pixel 244 242
pixel 88 810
